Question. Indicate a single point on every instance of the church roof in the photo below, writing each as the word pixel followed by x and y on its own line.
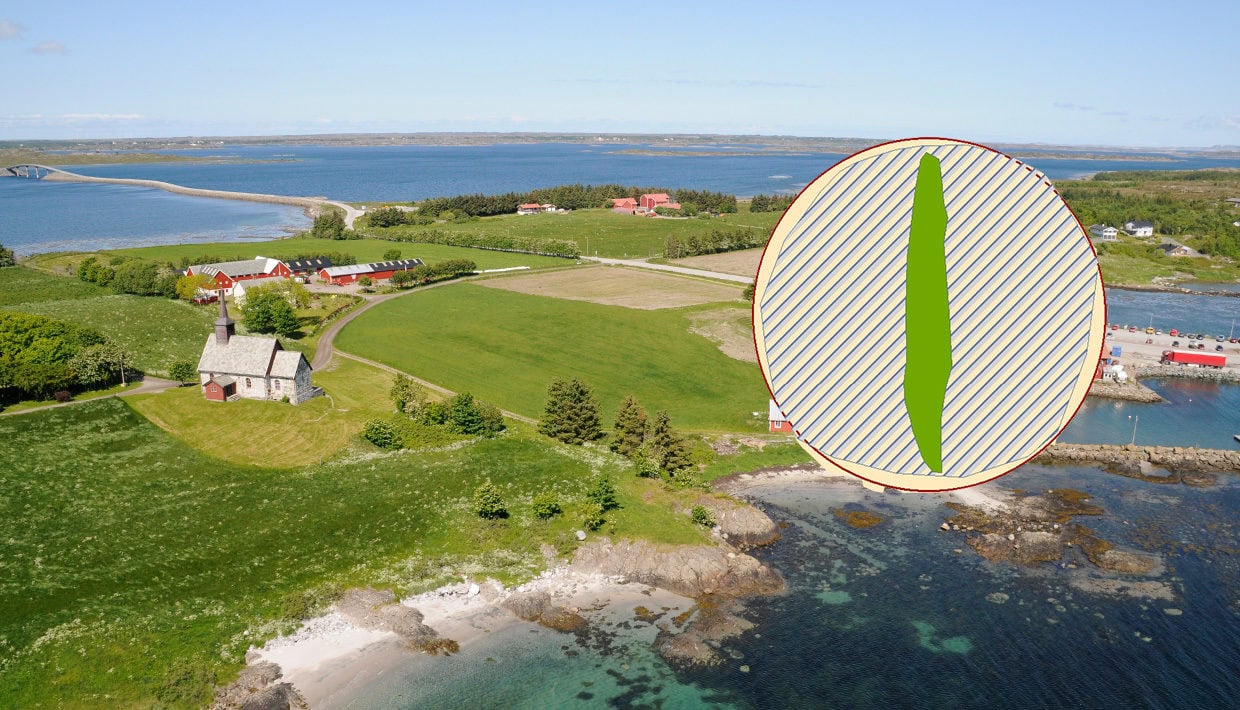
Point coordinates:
pixel 285 363
pixel 241 355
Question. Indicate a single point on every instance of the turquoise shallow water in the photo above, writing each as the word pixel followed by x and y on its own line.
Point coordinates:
pixel 904 615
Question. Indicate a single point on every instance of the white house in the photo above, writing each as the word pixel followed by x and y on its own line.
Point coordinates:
pixel 234 366
pixel 243 286
pixel 1139 228
pixel 1104 233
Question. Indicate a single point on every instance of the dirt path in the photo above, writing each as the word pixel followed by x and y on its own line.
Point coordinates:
pixel 685 271
pixel 149 385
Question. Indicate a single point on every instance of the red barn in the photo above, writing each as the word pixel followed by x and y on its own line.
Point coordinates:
pixel 225 275
pixel 624 205
pixel 344 275
pixel 778 422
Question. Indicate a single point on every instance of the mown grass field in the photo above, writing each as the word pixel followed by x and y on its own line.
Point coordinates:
pixel 366 250
pixel 274 434
pixel 155 331
pixel 19 284
pixel 136 570
pixel 507 347
pixel 601 232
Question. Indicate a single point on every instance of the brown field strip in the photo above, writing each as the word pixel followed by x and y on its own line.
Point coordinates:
pixel 618 286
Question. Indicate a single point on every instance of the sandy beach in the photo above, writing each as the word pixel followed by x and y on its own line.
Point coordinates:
pixel 330 660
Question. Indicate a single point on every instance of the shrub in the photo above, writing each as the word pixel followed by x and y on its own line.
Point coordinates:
pixel 63 396
pixel 365 280
pixel 703 516
pixel 391 255
pixel 603 492
pixel 546 505
pixel 381 433
pixel 593 518
pixel 183 371
pixel 488 503
pixel 646 467
pixel 686 478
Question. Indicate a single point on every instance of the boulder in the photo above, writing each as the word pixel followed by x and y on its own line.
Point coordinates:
pixel 256 689
pixel 690 570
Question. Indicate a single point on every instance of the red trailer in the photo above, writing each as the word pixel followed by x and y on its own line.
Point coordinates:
pixel 1183 357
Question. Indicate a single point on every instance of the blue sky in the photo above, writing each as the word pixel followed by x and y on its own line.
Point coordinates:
pixel 1108 73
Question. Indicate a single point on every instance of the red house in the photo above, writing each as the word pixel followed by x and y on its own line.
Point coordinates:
pixel 624 205
pixel 658 199
pixel 225 275
pixel 344 275
pixel 778 422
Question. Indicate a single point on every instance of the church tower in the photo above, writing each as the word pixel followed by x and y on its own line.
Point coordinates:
pixel 225 328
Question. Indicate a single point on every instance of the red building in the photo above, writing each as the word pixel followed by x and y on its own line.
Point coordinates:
pixel 530 208
pixel 225 275
pixel 344 275
pixel 624 205
pixel 778 422
pixel 658 199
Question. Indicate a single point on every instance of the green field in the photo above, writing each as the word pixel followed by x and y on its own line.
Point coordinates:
pixel 507 347
pixel 22 285
pixel 365 250
pixel 136 570
pixel 307 433
pixel 602 232
pixel 155 331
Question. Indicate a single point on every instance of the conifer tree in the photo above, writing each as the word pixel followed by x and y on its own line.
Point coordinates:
pixel 571 415
pixel 667 447
pixel 632 424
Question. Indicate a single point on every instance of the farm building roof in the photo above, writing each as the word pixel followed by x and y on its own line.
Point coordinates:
pixel 398 265
pixel 233 269
pixel 242 355
pixel 1141 224
pixel 315 264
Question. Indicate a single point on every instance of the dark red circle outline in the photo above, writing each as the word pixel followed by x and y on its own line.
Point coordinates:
pixel 754 306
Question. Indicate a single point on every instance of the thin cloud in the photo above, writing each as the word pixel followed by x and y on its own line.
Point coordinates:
pixel 746 83
pixel 1232 121
pixel 1115 113
pixel 10 30
pixel 1069 106
pixel 49 48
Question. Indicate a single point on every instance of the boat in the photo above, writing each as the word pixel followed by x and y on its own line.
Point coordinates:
pixel 1236 437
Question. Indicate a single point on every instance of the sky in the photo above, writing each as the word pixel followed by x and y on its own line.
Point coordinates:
pixel 1137 73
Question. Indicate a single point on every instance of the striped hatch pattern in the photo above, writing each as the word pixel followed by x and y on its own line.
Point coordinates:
pixel 1024 297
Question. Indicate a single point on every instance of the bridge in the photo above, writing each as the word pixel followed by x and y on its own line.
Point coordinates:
pixel 31 170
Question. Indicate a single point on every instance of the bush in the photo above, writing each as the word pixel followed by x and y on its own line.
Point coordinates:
pixel 183 371
pixel 703 516
pixel 488 503
pixel 381 433
pixel 604 494
pixel 63 396
pixel 593 518
pixel 365 280
pixel 391 255
pixel 546 505
pixel 686 478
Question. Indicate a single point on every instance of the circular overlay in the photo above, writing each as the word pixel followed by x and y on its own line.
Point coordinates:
pixel 928 314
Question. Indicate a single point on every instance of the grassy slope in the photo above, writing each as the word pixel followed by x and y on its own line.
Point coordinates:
pixel 609 234
pixel 364 249
pixel 156 331
pixel 271 433
pixel 136 568
pixel 22 285
pixel 507 347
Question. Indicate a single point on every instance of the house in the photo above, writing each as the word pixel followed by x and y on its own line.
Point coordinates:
pixel 1173 249
pixel 1139 228
pixel 225 275
pixel 548 207
pixel 657 199
pixel 529 208
pixel 776 419
pixel 343 275
pixel 308 267
pixel 624 205
pixel 247 284
pixel 246 366
pixel 1104 233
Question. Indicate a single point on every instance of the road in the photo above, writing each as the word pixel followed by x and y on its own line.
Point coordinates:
pixel 682 270
pixel 149 385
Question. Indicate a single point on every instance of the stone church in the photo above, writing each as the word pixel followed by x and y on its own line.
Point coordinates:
pixel 235 366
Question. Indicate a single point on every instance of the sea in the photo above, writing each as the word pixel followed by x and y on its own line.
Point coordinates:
pixel 37 216
pixel 898 615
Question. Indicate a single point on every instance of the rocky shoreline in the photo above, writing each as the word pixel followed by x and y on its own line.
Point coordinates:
pixel 1131 391
pixel 1165 288
pixel 1182 464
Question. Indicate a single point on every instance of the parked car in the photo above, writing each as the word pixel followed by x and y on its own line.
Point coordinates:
pixel 1219 348
pixel 1149 331
pixel 1132 329
pixel 1175 343
pixel 1173 332
pixel 1114 326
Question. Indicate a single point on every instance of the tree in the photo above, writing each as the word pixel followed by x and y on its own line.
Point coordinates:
pixel 183 371
pixel 463 415
pixel 546 505
pixel 381 433
pixel 488 503
pixel 603 492
pixel 401 278
pixel 667 447
pixel 364 281
pixel 329 225
pixel 747 293
pixel 268 311
pixel 631 428
pixel 6 257
pixel 188 286
pixel 391 255
pixel 97 365
pixel 571 415
pixel 386 217
pixel 407 395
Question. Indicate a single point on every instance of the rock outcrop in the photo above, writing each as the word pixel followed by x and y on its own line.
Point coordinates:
pixel 256 688
pixel 378 610
pixel 1184 464
pixel 1132 391
pixel 537 607
pixel 716 620
pixel 691 570
pixel 742 525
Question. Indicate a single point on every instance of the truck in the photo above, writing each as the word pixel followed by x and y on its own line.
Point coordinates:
pixel 1183 357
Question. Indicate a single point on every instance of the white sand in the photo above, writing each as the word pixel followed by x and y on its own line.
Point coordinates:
pixel 329 658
